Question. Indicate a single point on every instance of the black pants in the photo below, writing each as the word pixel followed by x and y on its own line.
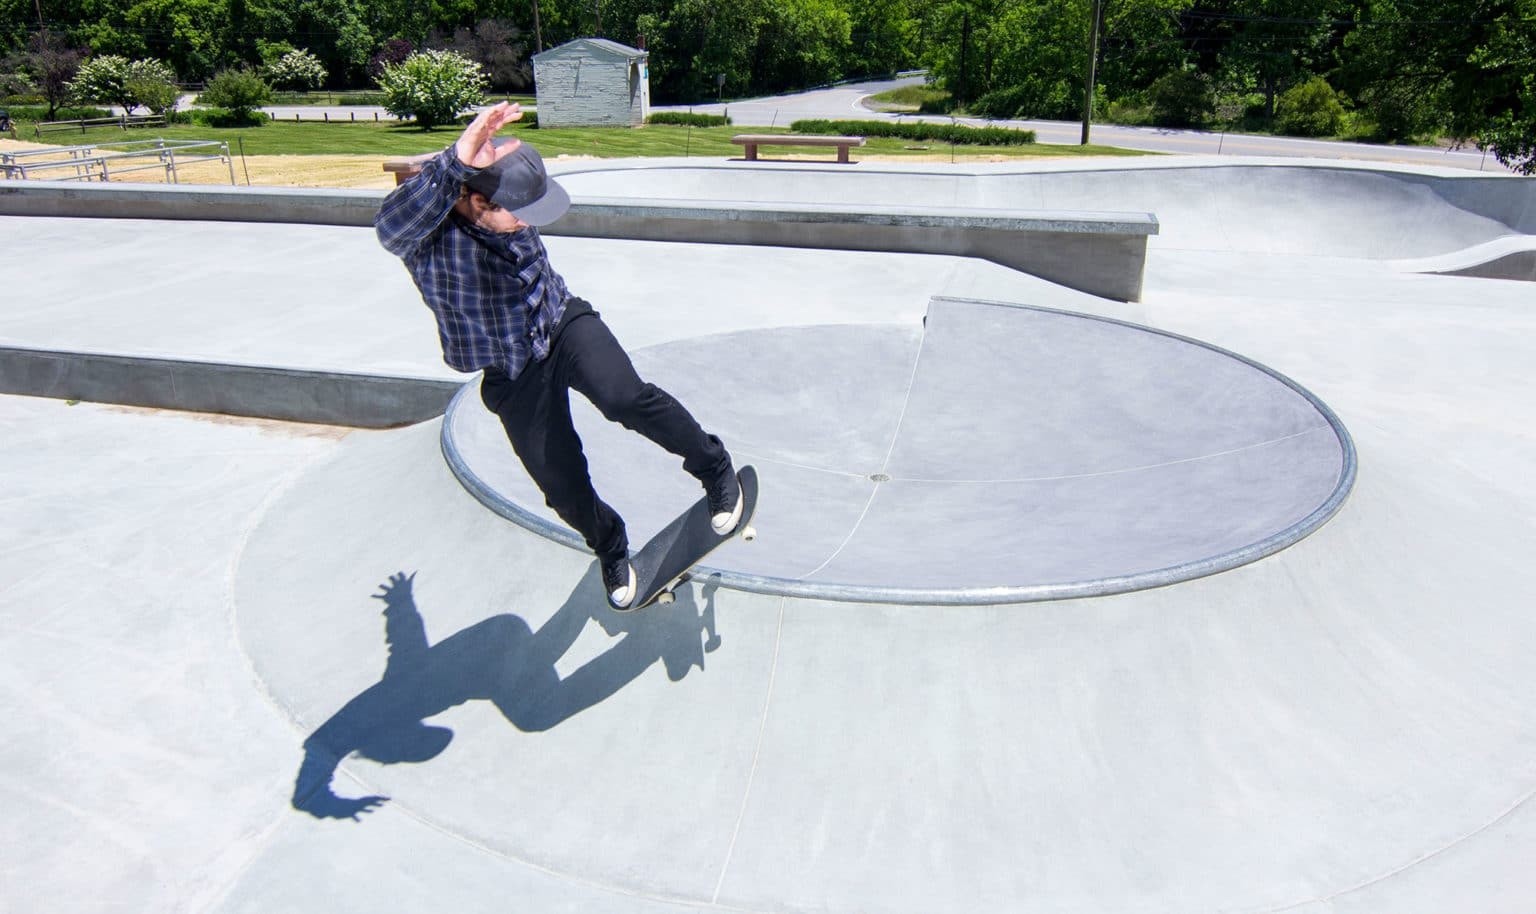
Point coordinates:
pixel 535 409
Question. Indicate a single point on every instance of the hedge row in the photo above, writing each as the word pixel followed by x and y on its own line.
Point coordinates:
pixel 40 113
pixel 920 130
pixel 685 119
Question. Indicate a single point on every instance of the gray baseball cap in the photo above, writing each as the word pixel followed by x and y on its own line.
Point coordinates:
pixel 519 183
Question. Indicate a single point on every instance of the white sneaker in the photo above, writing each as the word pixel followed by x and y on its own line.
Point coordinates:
pixel 619 578
pixel 725 504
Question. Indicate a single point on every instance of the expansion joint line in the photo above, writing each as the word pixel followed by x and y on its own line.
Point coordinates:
pixel 757 751
pixel 906 403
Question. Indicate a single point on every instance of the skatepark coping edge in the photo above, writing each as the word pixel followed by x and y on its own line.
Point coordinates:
pixel 965 596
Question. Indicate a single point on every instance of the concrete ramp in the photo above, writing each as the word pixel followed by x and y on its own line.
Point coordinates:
pixel 1319 208
pixel 997 454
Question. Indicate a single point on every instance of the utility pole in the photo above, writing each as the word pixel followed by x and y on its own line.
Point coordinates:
pixel 597 11
pixel 538 36
pixel 965 41
pixel 1096 14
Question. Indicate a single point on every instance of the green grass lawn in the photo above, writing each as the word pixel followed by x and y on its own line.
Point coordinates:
pixel 911 99
pixel 385 139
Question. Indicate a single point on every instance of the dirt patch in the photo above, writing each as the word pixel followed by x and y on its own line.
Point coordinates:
pixel 278 427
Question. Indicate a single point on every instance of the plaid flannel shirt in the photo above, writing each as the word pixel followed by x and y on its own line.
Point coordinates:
pixel 495 295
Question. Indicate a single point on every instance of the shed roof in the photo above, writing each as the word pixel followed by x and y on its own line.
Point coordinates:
pixel 601 45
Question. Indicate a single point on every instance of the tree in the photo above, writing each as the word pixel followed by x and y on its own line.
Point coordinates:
pixel 801 43
pixel 1464 65
pixel 394 51
pixel 1182 98
pixel 240 92
pixel 498 46
pixel 1311 108
pixel 49 63
pixel 1273 45
pixel 297 70
pixel 1037 50
pixel 432 87
pixel 111 79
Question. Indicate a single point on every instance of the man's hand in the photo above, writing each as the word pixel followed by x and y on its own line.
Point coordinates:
pixel 475 148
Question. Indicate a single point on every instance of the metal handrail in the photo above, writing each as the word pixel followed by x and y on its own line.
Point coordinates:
pixel 89 163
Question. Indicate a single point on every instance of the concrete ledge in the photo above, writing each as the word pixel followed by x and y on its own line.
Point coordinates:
pixel 1100 253
pixel 326 397
pixel 301 205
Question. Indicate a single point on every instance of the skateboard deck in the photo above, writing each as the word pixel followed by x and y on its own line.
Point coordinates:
pixel 665 561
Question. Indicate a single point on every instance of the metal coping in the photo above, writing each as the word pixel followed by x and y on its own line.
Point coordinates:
pixel 968 596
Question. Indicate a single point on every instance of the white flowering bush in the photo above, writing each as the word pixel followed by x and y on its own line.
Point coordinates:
pixel 433 87
pixel 298 70
pixel 118 81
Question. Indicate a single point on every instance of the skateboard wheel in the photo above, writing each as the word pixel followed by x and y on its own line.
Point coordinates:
pixel 749 534
pixel 666 598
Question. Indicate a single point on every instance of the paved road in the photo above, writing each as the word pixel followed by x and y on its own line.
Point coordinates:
pixel 847 101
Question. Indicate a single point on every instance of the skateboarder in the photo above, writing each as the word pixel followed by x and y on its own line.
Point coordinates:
pixel 466 228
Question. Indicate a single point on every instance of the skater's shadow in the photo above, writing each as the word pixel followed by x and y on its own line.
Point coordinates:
pixel 501 660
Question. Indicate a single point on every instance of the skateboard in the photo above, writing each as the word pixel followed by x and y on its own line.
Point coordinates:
pixel 666 561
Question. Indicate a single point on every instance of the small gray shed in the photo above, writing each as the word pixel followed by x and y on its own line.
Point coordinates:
pixel 592 82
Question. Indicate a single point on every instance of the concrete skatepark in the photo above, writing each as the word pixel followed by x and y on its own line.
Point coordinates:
pixel 1215 600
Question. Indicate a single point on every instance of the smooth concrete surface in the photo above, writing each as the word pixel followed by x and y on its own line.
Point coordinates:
pixel 210 660
pixel 997 454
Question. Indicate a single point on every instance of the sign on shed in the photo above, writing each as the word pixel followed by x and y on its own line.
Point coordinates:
pixel 592 82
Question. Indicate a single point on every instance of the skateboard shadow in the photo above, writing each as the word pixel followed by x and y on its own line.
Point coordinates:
pixel 501 660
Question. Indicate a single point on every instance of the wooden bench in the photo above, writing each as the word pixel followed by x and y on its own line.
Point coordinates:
pixel 753 140
pixel 403 169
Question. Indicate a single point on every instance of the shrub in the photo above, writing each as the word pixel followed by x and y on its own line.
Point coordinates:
pixel 110 78
pixel 224 117
pixel 40 113
pixel 1132 110
pixel 1309 109
pixel 1183 98
pixel 297 70
pixel 238 92
pixel 685 119
pixel 1400 110
pixel 159 97
pixel 432 87
pixel 917 130
pixel 1035 98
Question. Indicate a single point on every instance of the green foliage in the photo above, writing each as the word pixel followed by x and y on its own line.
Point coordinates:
pixel 111 79
pixel 42 113
pixel 500 47
pixel 1268 46
pixel 687 119
pixel 296 70
pixel 157 95
pixel 46 65
pixel 1181 99
pixel 802 42
pixel 1469 68
pixel 925 99
pixel 1310 109
pixel 433 87
pixel 1132 110
pixel 225 117
pixel 1034 98
pixel 239 92
pixel 919 130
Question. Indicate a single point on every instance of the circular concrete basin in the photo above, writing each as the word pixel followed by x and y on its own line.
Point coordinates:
pixel 995 454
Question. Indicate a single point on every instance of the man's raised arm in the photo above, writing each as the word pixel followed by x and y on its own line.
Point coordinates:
pixel 415 209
